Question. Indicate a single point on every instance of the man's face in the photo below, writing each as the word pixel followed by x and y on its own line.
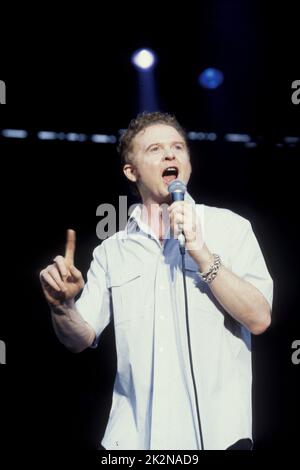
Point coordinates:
pixel 159 156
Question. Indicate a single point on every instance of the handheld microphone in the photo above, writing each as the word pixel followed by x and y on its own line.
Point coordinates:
pixel 177 190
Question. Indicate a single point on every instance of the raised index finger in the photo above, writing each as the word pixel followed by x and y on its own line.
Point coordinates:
pixel 70 246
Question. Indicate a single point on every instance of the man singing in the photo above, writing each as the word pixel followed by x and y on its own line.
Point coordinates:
pixel 136 281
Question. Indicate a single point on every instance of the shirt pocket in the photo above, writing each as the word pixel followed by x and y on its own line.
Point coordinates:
pixel 126 290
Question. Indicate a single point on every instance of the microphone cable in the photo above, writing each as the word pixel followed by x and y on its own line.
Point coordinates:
pixel 182 251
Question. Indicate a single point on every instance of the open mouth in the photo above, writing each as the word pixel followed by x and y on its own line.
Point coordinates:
pixel 170 174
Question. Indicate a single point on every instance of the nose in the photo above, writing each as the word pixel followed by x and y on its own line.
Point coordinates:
pixel 168 154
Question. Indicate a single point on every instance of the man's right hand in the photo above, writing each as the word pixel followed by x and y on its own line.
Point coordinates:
pixel 61 281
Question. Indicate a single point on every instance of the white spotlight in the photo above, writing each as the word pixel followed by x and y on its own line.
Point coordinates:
pixel 144 59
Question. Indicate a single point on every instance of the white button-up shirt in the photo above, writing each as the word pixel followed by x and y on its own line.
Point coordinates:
pixel 136 282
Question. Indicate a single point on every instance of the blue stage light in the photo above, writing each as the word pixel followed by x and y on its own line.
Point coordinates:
pixel 211 78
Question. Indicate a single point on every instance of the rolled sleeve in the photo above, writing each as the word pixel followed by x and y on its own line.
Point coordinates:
pixel 94 303
pixel 247 262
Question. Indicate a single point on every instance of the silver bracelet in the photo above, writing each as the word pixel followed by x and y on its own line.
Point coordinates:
pixel 209 275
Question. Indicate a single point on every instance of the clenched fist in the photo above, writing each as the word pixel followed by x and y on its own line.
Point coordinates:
pixel 61 281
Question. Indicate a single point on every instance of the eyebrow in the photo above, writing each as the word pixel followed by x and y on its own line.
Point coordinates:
pixel 161 143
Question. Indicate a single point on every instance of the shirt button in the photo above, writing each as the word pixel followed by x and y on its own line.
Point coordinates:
pixel 162 287
pixel 161 349
pixel 162 317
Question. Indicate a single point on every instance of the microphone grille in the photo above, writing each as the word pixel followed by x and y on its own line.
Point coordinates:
pixel 176 185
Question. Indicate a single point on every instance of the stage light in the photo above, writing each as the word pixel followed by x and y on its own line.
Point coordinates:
pixel 202 136
pixel 46 135
pixel 291 139
pixel 103 139
pixel 211 78
pixel 50 135
pixel 144 59
pixel 237 138
pixel 15 133
pixel 74 137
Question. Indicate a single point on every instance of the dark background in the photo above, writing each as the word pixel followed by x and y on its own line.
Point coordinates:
pixel 72 73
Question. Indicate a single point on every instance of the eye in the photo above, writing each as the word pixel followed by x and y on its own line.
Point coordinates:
pixel 179 146
pixel 155 148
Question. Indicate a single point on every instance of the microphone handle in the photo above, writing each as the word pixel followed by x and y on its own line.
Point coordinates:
pixel 179 196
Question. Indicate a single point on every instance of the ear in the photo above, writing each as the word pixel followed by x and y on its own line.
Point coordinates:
pixel 130 172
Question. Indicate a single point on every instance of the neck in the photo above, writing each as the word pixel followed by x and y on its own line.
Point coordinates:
pixel 156 216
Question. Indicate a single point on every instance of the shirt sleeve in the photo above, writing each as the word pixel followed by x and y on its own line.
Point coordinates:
pixel 94 303
pixel 247 261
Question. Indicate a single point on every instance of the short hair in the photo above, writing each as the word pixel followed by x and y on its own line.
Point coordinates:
pixel 141 122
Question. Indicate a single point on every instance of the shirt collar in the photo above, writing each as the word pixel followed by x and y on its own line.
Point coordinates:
pixel 135 224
